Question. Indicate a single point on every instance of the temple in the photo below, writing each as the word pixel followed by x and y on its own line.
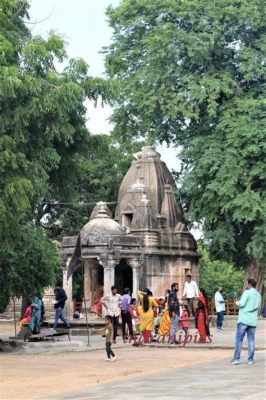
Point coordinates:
pixel 146 244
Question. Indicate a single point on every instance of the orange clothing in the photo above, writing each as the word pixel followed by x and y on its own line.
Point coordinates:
pixel 165 324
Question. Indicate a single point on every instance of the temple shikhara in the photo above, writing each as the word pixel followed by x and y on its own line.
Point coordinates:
pixel 145 244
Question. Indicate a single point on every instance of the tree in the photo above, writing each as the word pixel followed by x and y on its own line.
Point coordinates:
pixel 192 72
pixel 216 273
pixel 29 266
pixel 100 175
pixel 43 144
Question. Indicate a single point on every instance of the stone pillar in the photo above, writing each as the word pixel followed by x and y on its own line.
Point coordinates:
pixel 135 265
pixel 67 285
pixel 87 283
pixel 108 264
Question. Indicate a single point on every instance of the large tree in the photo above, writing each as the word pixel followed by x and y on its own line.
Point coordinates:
pixel 45 148
pixel 192 72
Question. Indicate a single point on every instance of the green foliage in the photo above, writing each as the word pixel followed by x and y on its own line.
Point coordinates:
pixel 101 171
pixel 216 273
pixel 29 263
pixel 46 151
pixel 192 72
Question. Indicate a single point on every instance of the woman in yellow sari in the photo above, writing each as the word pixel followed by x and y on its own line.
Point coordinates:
pixel 146 313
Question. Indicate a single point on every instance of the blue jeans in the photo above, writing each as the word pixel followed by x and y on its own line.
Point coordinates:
pixel 59 315
pixel 220 318
pixel 242 329
pixel 174 325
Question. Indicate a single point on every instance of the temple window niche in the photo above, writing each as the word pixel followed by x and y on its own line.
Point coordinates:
pixel 127 220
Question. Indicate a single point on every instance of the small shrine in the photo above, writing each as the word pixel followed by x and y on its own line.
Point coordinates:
pixel 146 244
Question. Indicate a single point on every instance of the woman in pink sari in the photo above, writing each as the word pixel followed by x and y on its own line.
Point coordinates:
pixel 26 317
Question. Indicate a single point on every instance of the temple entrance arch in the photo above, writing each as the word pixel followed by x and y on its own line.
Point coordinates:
pixel 123 276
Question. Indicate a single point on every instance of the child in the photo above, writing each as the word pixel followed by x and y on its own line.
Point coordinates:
pixel 109 336
pixel 184 318
pixel 134 316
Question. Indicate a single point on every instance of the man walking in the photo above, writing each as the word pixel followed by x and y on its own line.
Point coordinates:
pixel 59 304
pixel 125 313
pixel 247 321
pixel 190 292
pixel 220 308
pixel 174 312
pixel 112 304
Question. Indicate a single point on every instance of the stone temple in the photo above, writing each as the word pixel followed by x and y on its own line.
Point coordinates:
pixel 146 244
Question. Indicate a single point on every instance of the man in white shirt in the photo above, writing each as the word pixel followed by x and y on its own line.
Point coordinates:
pixel 112 303
pixel 191 291
pixel 220 308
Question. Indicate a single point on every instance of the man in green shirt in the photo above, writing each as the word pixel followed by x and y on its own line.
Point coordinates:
pixel 247 321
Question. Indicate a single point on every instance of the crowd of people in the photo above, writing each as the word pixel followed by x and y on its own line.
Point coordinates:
pixel 158 315
pixel 163 315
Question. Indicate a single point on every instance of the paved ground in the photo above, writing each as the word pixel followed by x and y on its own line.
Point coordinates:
pixel 73 370
pixel 207 380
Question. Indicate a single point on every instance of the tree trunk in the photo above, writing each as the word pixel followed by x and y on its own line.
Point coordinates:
pixel 24 302
pixel 256 271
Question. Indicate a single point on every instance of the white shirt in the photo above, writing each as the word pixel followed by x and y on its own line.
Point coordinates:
pixel 112 303
pixel 191 290
pixel 217 298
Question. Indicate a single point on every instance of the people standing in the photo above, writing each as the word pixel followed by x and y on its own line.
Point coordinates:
pixel 125 313
pixel 108 331
pixel 146 313
pixel 190 293
pixel 36 306
pixel 220 308
pixel 174 312
pixel 134 316
pixel 185 318
pixel 165 323
pixel 112 304
pixel 109 337
pixel 202 316
pixel 247 321
pixel 59 304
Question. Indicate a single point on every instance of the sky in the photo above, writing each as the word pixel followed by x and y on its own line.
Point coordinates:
pixel 84 26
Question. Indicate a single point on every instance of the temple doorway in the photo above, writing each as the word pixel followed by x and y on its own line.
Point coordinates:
pixel 123 276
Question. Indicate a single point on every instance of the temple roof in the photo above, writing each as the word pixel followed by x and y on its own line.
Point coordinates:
pixel 101 224
pixel 149 175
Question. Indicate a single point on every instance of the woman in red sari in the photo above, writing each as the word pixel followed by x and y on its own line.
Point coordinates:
pixel 202 316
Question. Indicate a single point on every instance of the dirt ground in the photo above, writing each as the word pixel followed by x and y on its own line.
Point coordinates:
pixel 32 376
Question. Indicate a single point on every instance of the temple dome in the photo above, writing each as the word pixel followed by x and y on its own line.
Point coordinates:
pixel 101 225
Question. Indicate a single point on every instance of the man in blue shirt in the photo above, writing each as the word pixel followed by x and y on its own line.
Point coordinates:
pixel 247 321
pixel 125 313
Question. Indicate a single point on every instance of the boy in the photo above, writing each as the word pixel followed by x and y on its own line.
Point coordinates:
pixel 109 337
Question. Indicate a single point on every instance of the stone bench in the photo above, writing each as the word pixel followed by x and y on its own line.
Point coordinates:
pixel 43 335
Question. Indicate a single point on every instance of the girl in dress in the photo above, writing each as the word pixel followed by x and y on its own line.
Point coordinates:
pixel 185 318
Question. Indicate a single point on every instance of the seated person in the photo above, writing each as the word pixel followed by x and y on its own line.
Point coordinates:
pixel 27 316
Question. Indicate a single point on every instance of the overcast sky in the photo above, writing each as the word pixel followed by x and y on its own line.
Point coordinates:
pixel 84 26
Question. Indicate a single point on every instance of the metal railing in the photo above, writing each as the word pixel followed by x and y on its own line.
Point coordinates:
pixel 230 307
